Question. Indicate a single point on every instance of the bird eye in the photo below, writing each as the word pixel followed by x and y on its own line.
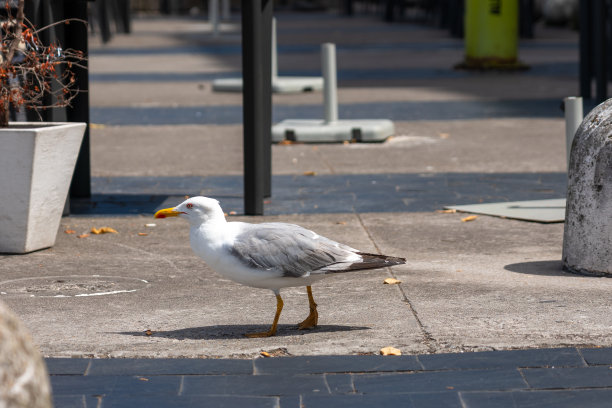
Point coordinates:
pixel 189 205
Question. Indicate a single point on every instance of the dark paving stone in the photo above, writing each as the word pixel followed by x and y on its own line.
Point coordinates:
pixel 339 383
pixel 579 377
pixel 289 401
pixel 351 74
pixel 503 359
pixel 396 111
pixel 75 401
pixel 597 356
pixel 67 366
pixel 335 364
pixel 422 400
pixel 540 399
pixel 225 401
pixel 493 379
pixel 391 192
pixel 120 385
pixel 266 385
pixel 169 366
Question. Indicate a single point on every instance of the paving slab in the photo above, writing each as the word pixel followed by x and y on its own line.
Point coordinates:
pixel 496 380
pixel 556 398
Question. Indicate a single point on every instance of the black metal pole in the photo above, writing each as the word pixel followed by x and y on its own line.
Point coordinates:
pixel 103 19
pixel 126 22
pixel 266 97
pixel 257 101
pixel 75 37
pixel 599 45
pixel 586 39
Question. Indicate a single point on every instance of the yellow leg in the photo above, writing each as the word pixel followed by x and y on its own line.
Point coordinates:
pixel 313 318
pixel 272 331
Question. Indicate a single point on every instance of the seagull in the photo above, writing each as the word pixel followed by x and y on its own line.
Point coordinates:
pixel 269 255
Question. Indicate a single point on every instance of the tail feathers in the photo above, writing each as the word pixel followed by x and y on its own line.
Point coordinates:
pixel 373 261
pixel 368 261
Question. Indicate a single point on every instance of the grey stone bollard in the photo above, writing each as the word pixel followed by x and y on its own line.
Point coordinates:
pixel 587 239
pixel 24 382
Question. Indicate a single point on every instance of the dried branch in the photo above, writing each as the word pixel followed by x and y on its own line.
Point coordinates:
pixel 33 75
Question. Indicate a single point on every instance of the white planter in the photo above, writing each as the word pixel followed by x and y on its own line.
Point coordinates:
pixel 36 165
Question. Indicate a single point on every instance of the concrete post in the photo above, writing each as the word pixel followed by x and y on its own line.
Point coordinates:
pixel 573 118
pixel 274 51
pixel 587 239
pixel 330 95
pixel 213 16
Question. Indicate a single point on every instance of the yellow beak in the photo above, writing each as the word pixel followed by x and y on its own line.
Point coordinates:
pixel 167 212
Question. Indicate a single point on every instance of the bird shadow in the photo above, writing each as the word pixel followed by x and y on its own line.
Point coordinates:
pixel 237 331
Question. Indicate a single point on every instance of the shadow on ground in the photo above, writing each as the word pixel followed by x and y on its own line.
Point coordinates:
pixel 542 268
pixel 238 331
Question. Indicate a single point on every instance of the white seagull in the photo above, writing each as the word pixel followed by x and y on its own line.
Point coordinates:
pixel 269 255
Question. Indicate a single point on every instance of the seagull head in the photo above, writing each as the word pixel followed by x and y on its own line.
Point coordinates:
pixel 197 210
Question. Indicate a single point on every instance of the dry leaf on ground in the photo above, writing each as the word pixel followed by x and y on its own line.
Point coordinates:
pixel 83 236
pixel 70 231
pixel 277 352
pixel 469 218
pixel 447 211
pixel 103 230
pixel 391 281
pixel 390 351
pixel 142 234
pixel 148 332
pixel 310 173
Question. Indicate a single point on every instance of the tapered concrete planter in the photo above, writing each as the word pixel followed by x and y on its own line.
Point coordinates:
pixel 36 165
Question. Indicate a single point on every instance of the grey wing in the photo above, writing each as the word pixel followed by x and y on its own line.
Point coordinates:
pixel 290 249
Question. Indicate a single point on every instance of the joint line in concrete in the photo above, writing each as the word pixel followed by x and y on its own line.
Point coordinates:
pixel 428 338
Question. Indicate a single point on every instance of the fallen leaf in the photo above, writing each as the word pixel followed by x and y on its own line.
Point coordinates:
pixel 447 211
pixel 390 351
pixel 232 213
pixel 278 352
pixel 143 379
pixel 83 236
pixel 70 231
pixel 310 173
pixel 391 281
pixel 142 234
pixel 341 222
pixel 450 387
pixel 148 332
pixel 469 218
pixel 103 230
pixel 286 142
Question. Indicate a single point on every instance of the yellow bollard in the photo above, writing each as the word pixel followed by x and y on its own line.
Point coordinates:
pixel 491 35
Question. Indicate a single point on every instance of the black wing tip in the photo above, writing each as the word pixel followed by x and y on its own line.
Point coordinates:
pixel 390 260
